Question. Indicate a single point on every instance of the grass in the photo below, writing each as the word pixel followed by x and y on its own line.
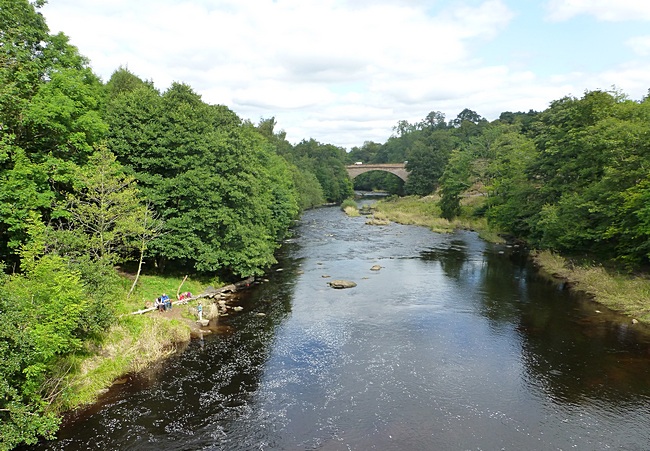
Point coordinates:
pixel 425 211
pixel 152 286
pixel 352 211
pixel 131 345
pixel 133 342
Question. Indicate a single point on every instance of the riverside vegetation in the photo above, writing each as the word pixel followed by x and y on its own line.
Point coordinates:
pixel 98 175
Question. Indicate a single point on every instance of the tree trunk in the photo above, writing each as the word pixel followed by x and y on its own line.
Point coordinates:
pixel 137 275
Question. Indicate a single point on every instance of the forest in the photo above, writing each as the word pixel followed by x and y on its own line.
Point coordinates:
pixel 100 175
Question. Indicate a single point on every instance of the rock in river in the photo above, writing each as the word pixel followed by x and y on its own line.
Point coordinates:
pixel 342 284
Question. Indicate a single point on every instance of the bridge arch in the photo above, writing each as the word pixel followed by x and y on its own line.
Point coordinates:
pixel 398 169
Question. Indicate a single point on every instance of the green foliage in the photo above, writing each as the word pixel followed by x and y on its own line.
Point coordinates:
pixel 63 116
pixel 41 319
pixel 455 181
pixel 327 163
pixel 511 192
pixel 427 160
pixel 104 211
pixel 225 197
pixel 23 39
pixel 308 188
pixel 348 203
pixel 575 181
pixel 367 153
pixel 574 178
pixel 23 189
pixel 50 104
pixel 123 81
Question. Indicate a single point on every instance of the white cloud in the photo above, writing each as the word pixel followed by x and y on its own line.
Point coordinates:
pixel 339 71
pixel 640 45
pixel 605 10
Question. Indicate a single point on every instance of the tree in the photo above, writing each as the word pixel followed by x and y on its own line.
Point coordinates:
pixel 104 213
pixel 435 120
pixel 49 118
pixel 327 163
pixel 511 191
pixel 23 39
pixel 224 195
pixel 454 181
pixel 43 318
pixel 427 161
pixel 149 228
pixel 24 189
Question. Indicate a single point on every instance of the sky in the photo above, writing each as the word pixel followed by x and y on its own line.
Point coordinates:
pixel 344 72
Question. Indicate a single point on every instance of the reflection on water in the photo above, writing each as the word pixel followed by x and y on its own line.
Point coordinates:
pixel 453 344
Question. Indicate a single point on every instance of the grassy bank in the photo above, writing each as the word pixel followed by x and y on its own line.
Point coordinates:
pixel 425 211
pixel 131 344
pixel 615 290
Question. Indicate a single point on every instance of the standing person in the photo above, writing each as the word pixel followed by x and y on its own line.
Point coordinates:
pixel 200 309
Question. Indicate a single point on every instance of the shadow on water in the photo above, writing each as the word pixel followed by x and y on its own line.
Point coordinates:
pixel 574 348
pixel 196 398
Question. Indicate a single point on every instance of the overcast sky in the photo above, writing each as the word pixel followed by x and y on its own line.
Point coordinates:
pixel 345 71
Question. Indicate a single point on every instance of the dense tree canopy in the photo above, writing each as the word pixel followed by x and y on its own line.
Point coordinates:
pixel 225 196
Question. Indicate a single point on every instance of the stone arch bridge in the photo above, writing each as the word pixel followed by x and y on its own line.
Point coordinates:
pixel 398 169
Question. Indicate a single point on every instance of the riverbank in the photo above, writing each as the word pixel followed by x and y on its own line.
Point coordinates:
pixel 137 341
pixel 615 290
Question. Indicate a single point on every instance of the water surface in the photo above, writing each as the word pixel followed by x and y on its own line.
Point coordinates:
pixel 455 344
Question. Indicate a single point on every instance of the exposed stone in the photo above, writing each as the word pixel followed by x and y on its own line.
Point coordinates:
pixel 339 284
pixel 203 322
pixel 211 311
pixel 375 268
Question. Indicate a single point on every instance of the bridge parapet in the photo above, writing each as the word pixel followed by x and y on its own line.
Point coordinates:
pixel 398 169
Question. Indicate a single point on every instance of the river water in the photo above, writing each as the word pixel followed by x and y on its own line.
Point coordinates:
pixel 455 344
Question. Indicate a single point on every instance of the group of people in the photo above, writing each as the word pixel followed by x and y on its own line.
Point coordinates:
pixel 163 303
pixel 185 296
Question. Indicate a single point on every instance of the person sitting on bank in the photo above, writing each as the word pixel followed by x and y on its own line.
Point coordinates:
pixel 166 301
pixel 159 304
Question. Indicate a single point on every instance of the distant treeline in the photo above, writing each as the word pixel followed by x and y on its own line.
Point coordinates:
pixel 574 178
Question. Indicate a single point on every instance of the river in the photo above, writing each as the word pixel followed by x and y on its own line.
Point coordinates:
pixel 455 344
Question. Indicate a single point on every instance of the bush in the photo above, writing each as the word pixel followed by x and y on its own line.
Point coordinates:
pixel 348 203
